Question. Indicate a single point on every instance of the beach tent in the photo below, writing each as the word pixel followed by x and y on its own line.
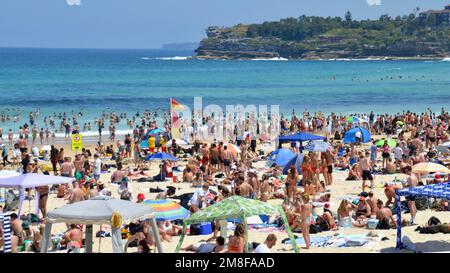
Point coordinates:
pixel 167 210
pixel 296 161
pixel 318 146
pixel 101 210
pixel 349 136
pixel 280 157
pixel 300 137
pixel 235 207
pixel 155 132
pixel 4 218
pixel 161 156
pixel 441 191
pixel 29 181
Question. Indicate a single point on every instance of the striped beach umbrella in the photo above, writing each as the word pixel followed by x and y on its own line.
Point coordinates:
pixel 167 210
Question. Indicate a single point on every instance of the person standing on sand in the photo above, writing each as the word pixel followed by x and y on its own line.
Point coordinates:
pixel 365 167
pixel 10 137
pixel 54 159
pixel 411 182
pixel 306 217
pixel 226 159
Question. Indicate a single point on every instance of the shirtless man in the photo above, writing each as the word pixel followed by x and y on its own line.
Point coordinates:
pixel 67 168
pixel 78 164
pixel 77 193
pixel 385 213
pixel 245 188
pixel 16 232
pixel 372 201
pixel 365 165
pixel 226 158
pixel 411 182
pixel 305 216
pixel 118 175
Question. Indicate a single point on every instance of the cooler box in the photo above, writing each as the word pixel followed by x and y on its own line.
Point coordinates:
pixel 372 223
pixel 205 228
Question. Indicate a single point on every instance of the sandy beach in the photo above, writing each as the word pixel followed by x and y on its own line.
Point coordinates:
pixel 340 188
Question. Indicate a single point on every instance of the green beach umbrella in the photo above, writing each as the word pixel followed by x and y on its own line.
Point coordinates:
pixel 352 119
pixel 391 143
pixel 236 207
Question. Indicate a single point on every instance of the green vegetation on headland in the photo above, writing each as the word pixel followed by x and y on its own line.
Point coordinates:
pixel 310 37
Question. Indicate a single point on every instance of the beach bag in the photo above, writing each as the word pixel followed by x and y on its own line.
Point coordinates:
pixel 433 221
pixel 313 229
pixel 194 229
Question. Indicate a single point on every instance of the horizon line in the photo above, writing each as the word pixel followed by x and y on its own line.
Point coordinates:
pixel 90 48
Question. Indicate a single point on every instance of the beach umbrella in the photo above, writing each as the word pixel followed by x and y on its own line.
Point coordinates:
pixel 350 135
pixel 280 157
pixel 8 173
pixel 353 119
pixel 428 167
pixel 179 142
pixel 391 143
pixel 318 146
pixel 167 210
pixel 46 148
pixel 161 156
pixel 233 149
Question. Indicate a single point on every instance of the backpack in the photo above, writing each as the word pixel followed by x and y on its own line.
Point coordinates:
pixel 194 229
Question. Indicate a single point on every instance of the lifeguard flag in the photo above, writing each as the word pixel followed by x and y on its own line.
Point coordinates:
pixel 176 106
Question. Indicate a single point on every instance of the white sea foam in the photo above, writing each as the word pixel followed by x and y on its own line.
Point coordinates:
pixel 446 59
pixel 270 59
pixel 176 58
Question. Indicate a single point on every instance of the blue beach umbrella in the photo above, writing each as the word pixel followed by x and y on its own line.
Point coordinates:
pixel 161 156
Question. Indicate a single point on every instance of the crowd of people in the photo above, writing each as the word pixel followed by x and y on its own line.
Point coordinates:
pixel 231 168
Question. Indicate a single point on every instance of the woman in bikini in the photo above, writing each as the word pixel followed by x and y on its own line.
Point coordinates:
pixel 385 154
pixel 315 168
pixel 306 169
pixel 236 243
pixel 343 213
pixel 291 183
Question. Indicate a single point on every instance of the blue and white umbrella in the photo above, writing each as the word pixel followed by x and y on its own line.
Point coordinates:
pixel 318 146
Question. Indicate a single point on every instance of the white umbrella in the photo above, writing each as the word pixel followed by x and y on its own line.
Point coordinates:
pixel 46 148
pixel 8 173
pixel 179 142
pixel 318 146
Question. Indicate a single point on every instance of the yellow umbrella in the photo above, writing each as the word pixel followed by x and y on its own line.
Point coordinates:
pixel 428 167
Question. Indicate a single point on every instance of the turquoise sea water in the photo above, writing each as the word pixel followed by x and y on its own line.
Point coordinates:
pixel 91 81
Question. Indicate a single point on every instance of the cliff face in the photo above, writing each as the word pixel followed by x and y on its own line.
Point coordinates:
pixel 235 43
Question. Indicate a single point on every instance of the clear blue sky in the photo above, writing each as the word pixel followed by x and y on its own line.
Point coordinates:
pixel 151 23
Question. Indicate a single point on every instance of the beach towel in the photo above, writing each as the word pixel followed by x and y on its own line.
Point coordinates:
pixel 4 217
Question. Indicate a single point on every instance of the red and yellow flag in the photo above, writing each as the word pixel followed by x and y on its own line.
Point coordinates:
pixel 174 107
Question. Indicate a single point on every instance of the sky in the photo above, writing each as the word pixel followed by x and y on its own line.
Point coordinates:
pixel 152 23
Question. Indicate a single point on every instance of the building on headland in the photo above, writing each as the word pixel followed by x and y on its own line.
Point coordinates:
pixel 440 16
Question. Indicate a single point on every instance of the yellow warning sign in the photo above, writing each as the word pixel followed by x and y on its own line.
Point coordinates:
pixel 77 142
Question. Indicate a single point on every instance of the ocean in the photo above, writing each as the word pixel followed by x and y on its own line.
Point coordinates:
pixel 96 80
